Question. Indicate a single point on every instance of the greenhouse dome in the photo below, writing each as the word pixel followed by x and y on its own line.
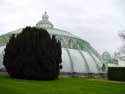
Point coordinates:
pixel 79 58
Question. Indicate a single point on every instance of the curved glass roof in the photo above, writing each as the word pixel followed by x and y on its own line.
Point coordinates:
pixel 77 54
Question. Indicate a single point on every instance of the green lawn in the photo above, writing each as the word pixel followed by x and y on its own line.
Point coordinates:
pixel 60 86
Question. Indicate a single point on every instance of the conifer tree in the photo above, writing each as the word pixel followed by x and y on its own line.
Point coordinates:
pixel 32 54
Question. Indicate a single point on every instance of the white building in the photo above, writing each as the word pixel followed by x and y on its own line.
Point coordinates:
pixel 79 58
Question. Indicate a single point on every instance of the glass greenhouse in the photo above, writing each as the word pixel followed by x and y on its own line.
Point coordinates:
pixel 79 58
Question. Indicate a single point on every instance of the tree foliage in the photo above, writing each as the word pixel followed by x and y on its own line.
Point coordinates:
pixel 33 54
pixel 122 35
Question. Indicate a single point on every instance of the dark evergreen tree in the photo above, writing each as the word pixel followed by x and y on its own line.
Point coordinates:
pixel 32 54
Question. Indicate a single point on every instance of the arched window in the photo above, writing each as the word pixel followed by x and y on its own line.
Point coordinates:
pixel 103 67
pixel 70 43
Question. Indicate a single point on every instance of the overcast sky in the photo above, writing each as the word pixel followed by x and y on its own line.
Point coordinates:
pixel 97 21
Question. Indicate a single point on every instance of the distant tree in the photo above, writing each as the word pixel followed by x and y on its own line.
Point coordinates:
pixel 122 36
pixel 117 72
pixel 32 54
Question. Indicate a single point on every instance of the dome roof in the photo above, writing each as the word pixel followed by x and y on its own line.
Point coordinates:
pixel 44 23
pixel 106 57
pixel 78 56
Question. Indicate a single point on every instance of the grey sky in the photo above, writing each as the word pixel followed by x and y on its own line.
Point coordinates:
pixel 97 21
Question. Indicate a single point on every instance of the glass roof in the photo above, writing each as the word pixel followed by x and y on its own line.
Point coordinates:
pixel 77 54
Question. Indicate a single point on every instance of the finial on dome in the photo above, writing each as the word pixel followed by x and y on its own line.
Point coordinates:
pixel 45 16
pixel 44 23
pixel 45 13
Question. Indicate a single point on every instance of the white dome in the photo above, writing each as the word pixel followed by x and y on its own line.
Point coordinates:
pixel 78 56
pixel 44 23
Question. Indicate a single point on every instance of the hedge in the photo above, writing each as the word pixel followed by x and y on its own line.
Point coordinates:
pixel 116 73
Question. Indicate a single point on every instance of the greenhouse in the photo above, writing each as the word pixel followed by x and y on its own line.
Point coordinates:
pixel 79 58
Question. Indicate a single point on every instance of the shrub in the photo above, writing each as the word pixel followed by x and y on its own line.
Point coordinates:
pixel 116 73
pixel 32 54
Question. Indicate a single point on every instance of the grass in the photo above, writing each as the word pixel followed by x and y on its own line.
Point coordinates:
pixel 60 86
